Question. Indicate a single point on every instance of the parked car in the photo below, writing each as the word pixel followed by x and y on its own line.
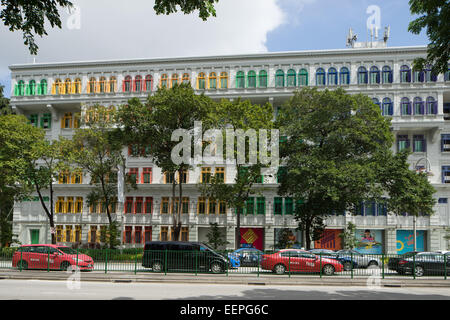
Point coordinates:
pixel 393 261
pixel 49 256
pixel 359 260
pixel 247 257
pixel 429 263
pixel 295 260
pixel 182 256
pixel 344 260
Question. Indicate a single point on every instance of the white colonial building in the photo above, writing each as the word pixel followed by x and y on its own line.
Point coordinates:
pixel 54 96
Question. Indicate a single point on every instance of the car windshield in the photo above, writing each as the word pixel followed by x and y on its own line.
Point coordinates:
pixel 67 250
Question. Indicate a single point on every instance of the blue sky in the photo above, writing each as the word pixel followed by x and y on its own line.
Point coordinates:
pixel 112 29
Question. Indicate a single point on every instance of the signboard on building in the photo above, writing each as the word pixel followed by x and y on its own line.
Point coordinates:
pixel 253 236
pixel 405 241
pixel 330 240
pixel 369 241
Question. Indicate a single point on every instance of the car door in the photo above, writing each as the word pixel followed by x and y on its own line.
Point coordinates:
pixel 309 262
pixel 174 258
pixel 38 257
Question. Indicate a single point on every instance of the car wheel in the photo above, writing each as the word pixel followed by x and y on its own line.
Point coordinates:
pixel 216 267
pixel 23 265
pixel 347 266
pixel 157 266
pixel 419 271
pixel 372 263
pixel 279 269
pixel 64 266
pixel 328 270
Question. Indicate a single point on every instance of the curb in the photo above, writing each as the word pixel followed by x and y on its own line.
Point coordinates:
pixel 384 283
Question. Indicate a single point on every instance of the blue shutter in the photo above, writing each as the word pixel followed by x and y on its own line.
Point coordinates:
pixel 421 108
pixel 434 106
pixel 409 108
pixel 408 76
pixel 390 77
pixel 391 109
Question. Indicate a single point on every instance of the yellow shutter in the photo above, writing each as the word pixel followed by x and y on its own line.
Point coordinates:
pixel 54 88
pixel 88 87
pixel 97 86
pixel 107 85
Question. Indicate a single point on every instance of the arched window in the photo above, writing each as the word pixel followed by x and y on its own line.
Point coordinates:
pixel 376 101
pixel 332 77
pixel 186 79
pixel 418 106
pixel 223 80
pixel 212 81
pixel 279 79
pixel 67 87
pixel 31 88
pixel 92 85
pixel 20 88
pixel 374 75
pixel 419 76
pixel 137 84
pixel 303 77
pixel 430 76
pixel 163 81
pixel 320 77
pixel 387 74
pixel 291 78
pixel 362 75
pixel 405 74
pixel 57 86
pixel 112 85
pixel 77 86
pixel 174 80
pixel 251 79
pixel 405 106
pixel 240 79
pixel 66 122
pixel 102 85
pixel 344 76
pixel 387 108
pixel 262 77
pixel 447 74
pixel 201 81
pixel 431 106
pixel 42 87
pixel 148 83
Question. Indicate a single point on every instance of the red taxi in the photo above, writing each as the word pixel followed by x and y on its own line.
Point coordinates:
pixel 49 256
pixel 292 260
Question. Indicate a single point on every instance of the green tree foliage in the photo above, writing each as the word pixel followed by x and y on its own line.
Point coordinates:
pixel 434 17
pixel 150 127
pixel 329 155
pixel 348 237
pixel 5 108
pixel 216 238
pixel 245 116
pixel 17 138
pixel 205 7
pixel 29 16
pixel 97 151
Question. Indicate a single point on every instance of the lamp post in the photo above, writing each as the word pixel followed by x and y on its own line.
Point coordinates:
pixel 427 170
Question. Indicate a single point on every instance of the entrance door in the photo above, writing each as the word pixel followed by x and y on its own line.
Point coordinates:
pixel 34 235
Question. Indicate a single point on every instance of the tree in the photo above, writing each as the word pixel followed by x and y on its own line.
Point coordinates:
pixel 435 18
pixel 5 108
pixel 238 115
pixel 29 16
pixel 47 161
pixel 216 237
pixel 349 240
pixel 150 127
pixel 17 138
pixel 332 140
pixel 205 7
pixel 98 152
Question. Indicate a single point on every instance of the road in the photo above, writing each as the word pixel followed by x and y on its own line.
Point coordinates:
pixel 63 290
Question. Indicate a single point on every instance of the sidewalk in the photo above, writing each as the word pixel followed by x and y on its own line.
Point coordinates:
pixel 240 279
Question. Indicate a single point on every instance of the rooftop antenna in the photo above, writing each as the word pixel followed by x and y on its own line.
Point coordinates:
pixel 387 32
pixel 351 38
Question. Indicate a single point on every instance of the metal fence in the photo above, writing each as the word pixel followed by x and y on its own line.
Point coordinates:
pixel 287 263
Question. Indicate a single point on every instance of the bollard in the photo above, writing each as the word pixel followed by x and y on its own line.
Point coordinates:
pixel 106 260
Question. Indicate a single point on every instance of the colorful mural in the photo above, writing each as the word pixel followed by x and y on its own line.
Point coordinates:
pixel 405 241
pixel 253 236
pixel 330 240
pixel 369 241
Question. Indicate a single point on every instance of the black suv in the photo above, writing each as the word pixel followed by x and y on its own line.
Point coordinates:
pixel 174 255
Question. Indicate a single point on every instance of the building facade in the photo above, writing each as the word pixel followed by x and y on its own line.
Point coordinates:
pixel 56 96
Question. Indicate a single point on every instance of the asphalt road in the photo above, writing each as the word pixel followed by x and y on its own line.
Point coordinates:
pixel 83 290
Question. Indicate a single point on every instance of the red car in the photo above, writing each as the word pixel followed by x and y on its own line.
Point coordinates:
pixel 299 261
pixel 49 256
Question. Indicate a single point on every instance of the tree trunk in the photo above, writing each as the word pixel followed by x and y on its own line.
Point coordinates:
pixel 238 229
pixel 174 216
pixel 308 235
pixel 44 206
